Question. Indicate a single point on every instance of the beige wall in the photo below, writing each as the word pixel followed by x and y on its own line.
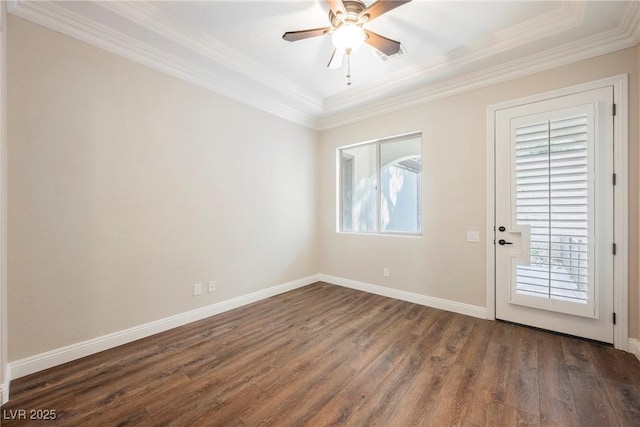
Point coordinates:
pixel 127 186
pixel 441 263
pixel 635 317
pixel 3 213
pixel 634 194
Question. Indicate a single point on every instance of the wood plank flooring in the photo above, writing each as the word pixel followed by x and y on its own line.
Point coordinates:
pixel 325 355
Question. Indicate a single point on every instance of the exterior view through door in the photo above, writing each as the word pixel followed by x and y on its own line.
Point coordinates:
pixel 554 201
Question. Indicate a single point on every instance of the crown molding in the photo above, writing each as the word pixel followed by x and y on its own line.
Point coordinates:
pixel 566 17
pixel 242 79
pixel 149 16
pixel 626 35
pixel 57 18
pixel 630 25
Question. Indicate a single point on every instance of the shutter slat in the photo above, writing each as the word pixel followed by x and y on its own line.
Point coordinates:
pixel 552 199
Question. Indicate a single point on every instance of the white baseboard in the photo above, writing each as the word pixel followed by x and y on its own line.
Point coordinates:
pixel 72 352
pixel 4 393
pixel 4 387
pixel 634 347
pixel 443 304
pixel 49 359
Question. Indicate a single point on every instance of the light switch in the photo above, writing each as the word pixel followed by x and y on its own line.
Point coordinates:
pixel 473 236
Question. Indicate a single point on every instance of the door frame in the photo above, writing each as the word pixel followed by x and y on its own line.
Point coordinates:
pixel 621 195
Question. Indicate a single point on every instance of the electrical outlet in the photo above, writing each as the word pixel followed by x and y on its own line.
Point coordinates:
pixel 212 286
pixel 385 272
pixel 197 289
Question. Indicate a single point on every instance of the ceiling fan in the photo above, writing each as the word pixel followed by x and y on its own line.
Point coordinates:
pixel 348 18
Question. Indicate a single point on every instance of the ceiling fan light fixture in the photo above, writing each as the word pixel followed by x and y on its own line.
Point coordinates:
pixel 347 17
pixel 348 37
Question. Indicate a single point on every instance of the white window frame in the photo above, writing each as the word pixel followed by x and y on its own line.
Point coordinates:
pixel 339 189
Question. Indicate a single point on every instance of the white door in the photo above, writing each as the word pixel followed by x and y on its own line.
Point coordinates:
pixel 554 214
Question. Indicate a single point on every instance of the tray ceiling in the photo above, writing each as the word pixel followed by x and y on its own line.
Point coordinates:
pixel 235 47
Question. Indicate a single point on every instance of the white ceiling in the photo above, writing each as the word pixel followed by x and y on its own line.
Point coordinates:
pixel 235 47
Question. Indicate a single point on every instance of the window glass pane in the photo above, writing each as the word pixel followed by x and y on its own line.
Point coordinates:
pixel 381 186
pixel 400 179
pixel 359 193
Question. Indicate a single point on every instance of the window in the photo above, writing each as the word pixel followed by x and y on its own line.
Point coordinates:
pixel 381 186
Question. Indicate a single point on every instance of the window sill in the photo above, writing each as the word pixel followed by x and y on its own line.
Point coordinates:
pixel 389 234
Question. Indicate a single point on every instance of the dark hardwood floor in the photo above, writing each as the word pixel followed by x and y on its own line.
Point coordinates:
pixel 326 355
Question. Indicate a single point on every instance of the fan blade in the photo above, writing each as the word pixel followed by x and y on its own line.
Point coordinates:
pixel 336 7
pixel 337 58
pixel 292 36
pixel 380 7
pixel 387 46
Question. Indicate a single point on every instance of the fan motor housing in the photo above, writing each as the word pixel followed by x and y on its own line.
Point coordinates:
pixel 353 9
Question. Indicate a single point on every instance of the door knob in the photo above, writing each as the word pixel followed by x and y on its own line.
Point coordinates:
pixel 503 242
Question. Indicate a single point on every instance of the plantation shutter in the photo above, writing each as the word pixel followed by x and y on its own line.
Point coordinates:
pixel 552 198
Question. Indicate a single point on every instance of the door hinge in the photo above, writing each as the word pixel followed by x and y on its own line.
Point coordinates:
pixel 614 179
pixel 615 249
pixel 614 318
pixel 614 109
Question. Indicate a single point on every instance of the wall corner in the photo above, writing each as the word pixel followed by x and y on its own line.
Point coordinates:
pixel 4 373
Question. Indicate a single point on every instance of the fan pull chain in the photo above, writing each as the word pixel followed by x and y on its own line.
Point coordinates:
pixel 348 51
